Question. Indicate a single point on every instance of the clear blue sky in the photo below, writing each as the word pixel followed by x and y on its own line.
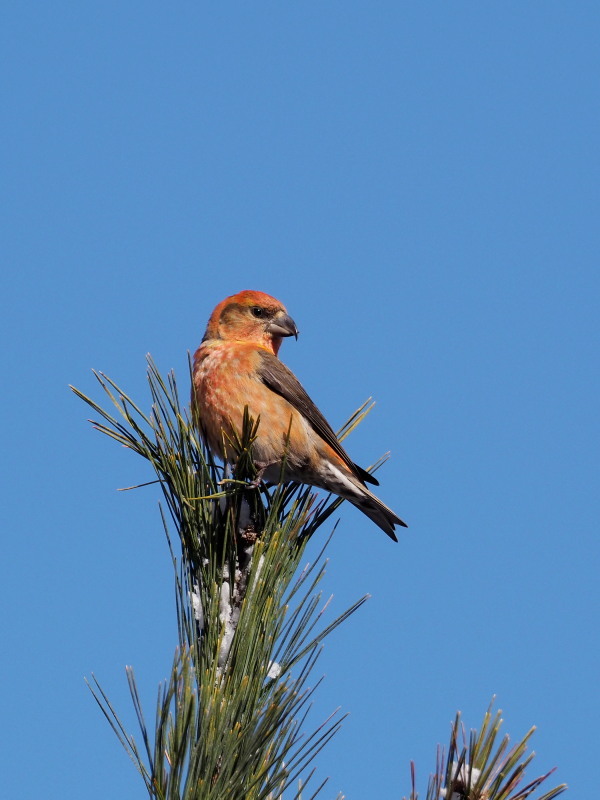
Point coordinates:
pixel 419 183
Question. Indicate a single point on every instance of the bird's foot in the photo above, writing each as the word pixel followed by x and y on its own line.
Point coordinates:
pixel 259 477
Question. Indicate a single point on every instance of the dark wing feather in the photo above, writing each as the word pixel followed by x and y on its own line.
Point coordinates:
pixel 282 381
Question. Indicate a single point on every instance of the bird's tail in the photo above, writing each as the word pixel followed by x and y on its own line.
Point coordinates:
pixel 377 511
pixel 337 478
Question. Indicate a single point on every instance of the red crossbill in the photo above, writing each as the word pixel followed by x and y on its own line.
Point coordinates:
pixel 237 366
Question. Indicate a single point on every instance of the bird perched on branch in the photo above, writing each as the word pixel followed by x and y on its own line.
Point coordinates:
pixel 237 366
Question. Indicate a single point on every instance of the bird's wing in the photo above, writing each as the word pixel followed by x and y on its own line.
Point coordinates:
pixel 281 380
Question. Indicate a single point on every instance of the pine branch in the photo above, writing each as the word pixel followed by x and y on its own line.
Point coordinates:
pixel 230 719
pixel 486 768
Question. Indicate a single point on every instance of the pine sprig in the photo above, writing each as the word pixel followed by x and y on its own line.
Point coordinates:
pixel 487 768
pixel 230 720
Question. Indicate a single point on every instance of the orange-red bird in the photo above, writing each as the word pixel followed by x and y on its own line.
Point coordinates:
pixel 237 366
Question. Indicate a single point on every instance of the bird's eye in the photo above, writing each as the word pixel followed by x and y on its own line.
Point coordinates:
pixel 257 312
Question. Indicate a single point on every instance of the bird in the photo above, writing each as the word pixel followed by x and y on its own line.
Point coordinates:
pixel 237 366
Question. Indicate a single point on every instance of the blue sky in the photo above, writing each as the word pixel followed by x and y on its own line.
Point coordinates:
pixel 419 183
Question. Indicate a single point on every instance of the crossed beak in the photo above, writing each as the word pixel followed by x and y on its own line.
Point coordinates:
pixel 282 325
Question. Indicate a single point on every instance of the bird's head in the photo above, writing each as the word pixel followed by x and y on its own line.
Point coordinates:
pixel 251 316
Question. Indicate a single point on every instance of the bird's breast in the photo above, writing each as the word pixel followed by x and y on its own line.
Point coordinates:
pixel 226 381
